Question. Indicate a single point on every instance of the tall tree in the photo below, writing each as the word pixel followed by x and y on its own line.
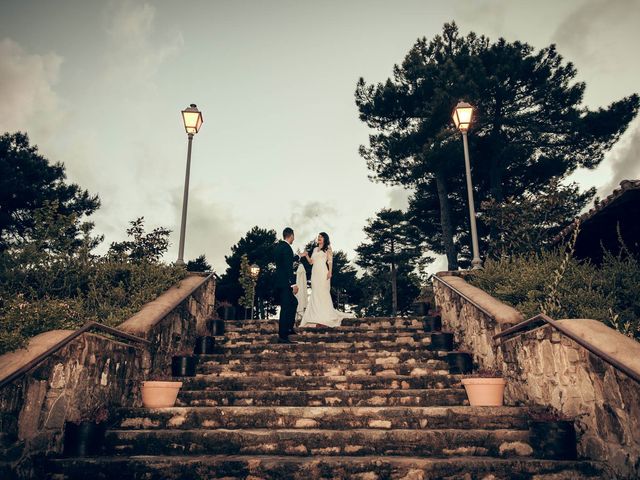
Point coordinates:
pixel 28 182
pixel 392 242
pixel 257 244
pixel 530 126
pixel 248 285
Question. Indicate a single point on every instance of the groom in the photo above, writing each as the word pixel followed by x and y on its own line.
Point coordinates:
pixel 286 285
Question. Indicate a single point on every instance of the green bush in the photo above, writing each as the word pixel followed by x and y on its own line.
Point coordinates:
pixel 557 284
pixel 50 281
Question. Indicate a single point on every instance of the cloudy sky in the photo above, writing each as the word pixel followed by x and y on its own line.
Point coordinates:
pixel 99 85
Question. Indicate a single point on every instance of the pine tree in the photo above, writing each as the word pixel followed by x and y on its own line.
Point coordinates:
pixel 392 243
pixel 247 283
pixel 530 124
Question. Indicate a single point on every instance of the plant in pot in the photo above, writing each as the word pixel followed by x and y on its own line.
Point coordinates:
pixel 485 388
pixel 553 435
pixel 84 436
pixel 205 345
pixel 160 393
pixel 184 365
pixel 226 310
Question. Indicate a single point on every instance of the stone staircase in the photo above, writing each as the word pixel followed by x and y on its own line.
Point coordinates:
pixel 366 401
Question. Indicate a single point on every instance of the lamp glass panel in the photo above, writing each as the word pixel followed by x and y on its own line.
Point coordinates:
pixel 192 121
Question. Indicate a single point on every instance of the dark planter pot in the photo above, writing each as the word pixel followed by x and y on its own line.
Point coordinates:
pixel 83 439
pixel 432 323
pixel 441 341
pixel 216 327
pixel 421 308
pixel 184 366
pixel 204 345
pixel 229 313
pixel 460 362
pixel 554 440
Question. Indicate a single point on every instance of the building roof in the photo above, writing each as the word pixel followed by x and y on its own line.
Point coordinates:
pixel 625 186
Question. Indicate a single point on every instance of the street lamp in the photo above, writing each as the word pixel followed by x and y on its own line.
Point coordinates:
pixel 192 118
pixel 462 116
pixel 254 271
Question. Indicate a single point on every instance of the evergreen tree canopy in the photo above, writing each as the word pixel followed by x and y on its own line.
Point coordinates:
pixel 28 182
pixel 530 124
pixel 392 242
pixel 257 244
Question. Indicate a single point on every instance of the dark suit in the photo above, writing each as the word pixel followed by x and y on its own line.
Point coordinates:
pixel 284 280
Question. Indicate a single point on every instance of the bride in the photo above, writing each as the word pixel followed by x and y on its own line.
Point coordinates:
pixel 320 309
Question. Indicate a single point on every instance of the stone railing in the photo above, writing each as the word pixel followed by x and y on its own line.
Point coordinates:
pixel 92 370
pixel 546 366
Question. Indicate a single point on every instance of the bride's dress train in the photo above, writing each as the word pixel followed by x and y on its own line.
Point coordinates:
pixel 320 309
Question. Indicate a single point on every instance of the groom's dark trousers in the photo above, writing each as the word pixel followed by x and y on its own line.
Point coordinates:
pixel 285 279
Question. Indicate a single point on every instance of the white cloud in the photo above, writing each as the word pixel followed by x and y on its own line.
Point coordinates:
pixel 28 101
pixel 310 218
pixel 135 54
pixel 624 159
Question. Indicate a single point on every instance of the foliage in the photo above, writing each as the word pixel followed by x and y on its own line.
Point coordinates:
pixel 52 280
pixel 200 264
pixel 530 222
pixel 530 126
pixel 376 294
pixel 392 244
pixel 257 244
pixel 556 283
pixel 247 283
pixel 28 182
pixel 141 246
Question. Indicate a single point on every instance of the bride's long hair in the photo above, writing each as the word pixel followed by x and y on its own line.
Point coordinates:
pixel 326 243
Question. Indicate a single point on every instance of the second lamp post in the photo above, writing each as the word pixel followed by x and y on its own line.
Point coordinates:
pixel 462 119
pixel 192 118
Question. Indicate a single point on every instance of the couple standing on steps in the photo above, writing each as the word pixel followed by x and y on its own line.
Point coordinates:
pixel 320 309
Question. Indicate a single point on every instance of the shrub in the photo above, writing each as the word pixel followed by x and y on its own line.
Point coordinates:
pixel 557 284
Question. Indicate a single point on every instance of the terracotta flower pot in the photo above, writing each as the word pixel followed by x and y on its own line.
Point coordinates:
pixel 485 392
pixel 157 394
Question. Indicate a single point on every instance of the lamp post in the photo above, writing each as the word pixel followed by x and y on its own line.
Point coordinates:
pixel 192 118
pixel 255 272
pixel 462 115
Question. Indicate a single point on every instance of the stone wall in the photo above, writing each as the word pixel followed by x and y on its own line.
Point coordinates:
pixel 89 371
pixel 545 367
pixel 94 370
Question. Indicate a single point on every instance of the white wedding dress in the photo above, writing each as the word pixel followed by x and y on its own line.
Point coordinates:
pixel 320 309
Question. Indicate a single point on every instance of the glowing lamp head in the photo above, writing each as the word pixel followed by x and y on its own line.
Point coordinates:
pixel 255 271
pixel 462 115
pixel 192 118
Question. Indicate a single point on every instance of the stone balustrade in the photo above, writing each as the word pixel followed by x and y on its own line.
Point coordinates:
pixel 93 370
pixel 546 367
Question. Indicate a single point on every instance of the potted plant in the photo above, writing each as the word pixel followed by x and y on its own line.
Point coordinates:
pixel 205 345
pixel 160 393
pixel 432 323
pixel 85 436
pixel 553 435
pixel 184 365
pixel 460 362
pixel 441 342
pixel 485 388
pixel 226 310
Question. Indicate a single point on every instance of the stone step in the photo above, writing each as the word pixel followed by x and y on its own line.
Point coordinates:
pixel 272 328
pixel 347 322
pixel 303 442
pixel 382 357
pixel 333 418
pixel 342 382
pixel 272 467
pixel 336 336
pixel 350 398
pixel 342 346
pixel 323 369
